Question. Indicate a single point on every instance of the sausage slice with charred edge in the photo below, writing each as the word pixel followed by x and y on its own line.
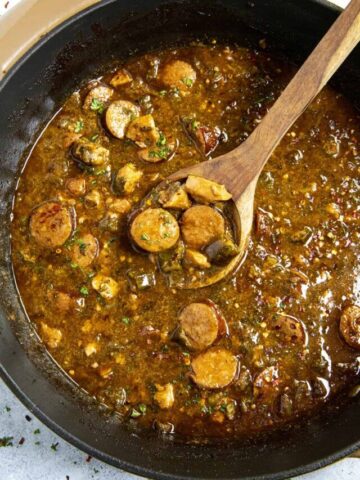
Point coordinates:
pixel 215 368
pixel 201 225
pixel 119 115
pixel 350 326
pixel 85 250
pixel 200 324
pixel 289 329
pixel 51 224
pixel 155 230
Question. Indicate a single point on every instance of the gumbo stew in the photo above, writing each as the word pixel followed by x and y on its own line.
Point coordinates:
pixel 252 352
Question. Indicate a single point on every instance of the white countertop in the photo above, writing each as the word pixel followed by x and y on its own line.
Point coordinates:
pixel 39 454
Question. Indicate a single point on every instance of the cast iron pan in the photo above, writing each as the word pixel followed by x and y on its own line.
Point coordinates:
pixel 29 95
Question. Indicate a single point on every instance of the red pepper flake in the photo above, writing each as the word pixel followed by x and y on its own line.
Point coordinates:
pixel 88 459
pixel 21 441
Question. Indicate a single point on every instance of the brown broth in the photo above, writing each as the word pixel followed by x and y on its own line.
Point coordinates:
pixel 303 257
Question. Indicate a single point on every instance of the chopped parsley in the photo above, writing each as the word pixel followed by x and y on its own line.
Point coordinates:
pixel 187 81
pixel 79 125
pixel 54 446
pixel 94 137
pixel 8 409
pixel 134 413
pixel 82 245
pixel 162 140
pixel 142 408
pixel 84 290
pixel 145 236
pixel 6 441
pixel 162 93
pixel 195 124
pixel 74 265
pixel 97 106
pixel 37 431
pixel 161 153
pixel 126 320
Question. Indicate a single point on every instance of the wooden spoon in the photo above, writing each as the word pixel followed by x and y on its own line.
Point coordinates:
pixel 239 169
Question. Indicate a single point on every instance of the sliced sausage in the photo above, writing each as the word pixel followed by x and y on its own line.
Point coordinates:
pixel 198 326
pixel 289 330
pixel 84 250
pixel 215 368
pixel 119 115
pixel 121 77
pixel 267 384
pixel 97 97
pixel 174 196
pixel 350 326
pixel 51 224
pixel 143 131
pixel 206 191
pixel 155 230
pixel 178 74
pixel 76 186
pixel 90 153
pixel 127 179
pixel 201 225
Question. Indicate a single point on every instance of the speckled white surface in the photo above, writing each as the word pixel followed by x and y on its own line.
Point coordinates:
pixel 39 454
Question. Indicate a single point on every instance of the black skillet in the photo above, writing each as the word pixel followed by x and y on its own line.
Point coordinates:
pixel 29 95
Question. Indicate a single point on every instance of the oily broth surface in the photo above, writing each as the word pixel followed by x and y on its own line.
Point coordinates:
pixel 310 276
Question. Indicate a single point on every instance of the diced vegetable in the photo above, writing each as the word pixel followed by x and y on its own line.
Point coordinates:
pixel 141 280
pixel 221 251
pixel 170 261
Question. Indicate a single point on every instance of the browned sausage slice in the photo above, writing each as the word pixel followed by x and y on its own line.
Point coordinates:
pixel 215 368
pixel 85 250
pixel 76 186
pixel 51 224
pixel 199 326
pixel 155 230
pixel 289 329
pixel 96 97
pixel 119 115
pixel 350 326
pixel 201 225
pixel 178 74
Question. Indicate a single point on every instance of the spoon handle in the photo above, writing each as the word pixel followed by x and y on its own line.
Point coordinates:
pixel 323 62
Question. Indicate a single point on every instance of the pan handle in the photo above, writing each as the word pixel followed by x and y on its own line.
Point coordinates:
pixel 28 21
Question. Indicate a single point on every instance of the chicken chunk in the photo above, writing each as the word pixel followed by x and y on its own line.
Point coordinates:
pixel 350 326
pixel 155 230
pixel 84 250
pixel 196 259
pixel 51 224
pixel 127 179
pixel 178 74
pixel 143 131
pixel 90 153
pixel 215 368
pixel 119 115
pixel 201 225
pixel 121 77
pixel 51 336
pixel 107 287
pixel 97 97
pixel 174 196
pixel 165 395
pixel 206 191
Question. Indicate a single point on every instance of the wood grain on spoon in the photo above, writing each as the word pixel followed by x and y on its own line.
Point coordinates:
pixel 239 169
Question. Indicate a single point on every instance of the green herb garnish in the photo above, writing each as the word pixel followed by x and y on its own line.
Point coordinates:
pixel 187 81
pixel 134 413
pixel 84 290
pixel 142 408
pixel 126 320
pixel 54 446
pixel 6 442
pixel 145 236
pixel 79 125
pixel 97 106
